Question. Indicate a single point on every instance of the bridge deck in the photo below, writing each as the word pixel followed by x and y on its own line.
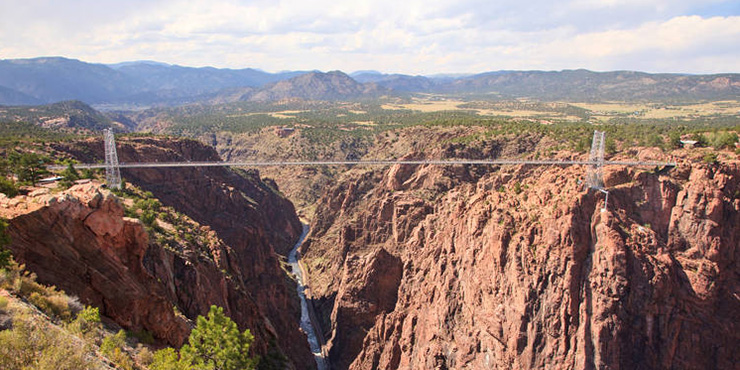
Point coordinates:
pixel 451 162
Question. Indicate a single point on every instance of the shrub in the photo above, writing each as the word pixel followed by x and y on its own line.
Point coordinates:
pixel 74 305
pixel 90 315
pixel 26 285
pixel 517 187
pixel 168 359
pixel 710 158
pixel 724 140
pixel 32 345
pixel 8 276
pixel 53 305
pixel 8 187
pixel 86 323
pixel 112 342
pixel 144 356
pixel 5 257
pixel 88 173
pixel 112 347
pixel 674 139
pixel 148 218
pixel 3 303
pixel 701 140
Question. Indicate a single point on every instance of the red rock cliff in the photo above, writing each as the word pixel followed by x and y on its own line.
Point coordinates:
pixel 442 268
pixel 137 282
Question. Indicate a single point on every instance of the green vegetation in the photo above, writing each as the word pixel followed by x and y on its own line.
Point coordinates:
pixel 215 343
pixel 5 256
pixel 710 158
pixel 34 344
pixel 170 229
pixel 8 187
pixel 65 338
pixel 27 166
pixel 70 340
pixel 113 347
pixel 322 124
pixel 517 187
pixel 14 133
pixel 723 140
pixel 69 118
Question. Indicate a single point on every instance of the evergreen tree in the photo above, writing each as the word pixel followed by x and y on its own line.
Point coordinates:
pixel 29 167
pixel 216 343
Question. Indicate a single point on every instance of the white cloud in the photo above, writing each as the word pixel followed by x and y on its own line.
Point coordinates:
pixel 411 36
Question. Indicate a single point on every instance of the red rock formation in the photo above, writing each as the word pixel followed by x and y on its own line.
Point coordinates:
pixel 88 249
pixel 448 269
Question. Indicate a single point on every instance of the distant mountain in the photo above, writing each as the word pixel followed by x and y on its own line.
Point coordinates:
pixel 333 85
pixel 48 80
pixel 398 82
pixel 64 116
pixel 56 79
pixel 369 72
pixel 9 96
pixel 197 80
pixel 136 62
pixel 145 83
pixel 587 85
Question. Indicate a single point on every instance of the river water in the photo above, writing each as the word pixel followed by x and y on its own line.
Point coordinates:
pixel 306 324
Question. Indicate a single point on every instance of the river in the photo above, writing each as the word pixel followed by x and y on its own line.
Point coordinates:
pixel 306 324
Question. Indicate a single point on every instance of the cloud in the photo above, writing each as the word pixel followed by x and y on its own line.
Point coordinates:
pixel 411 36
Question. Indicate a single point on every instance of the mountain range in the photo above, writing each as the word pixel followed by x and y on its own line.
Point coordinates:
pixel 143 83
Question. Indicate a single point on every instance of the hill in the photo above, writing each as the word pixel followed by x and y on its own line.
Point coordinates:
pixel 71 115
pixel 578 85
pixel 49 80
pixel 584 85
pixel 398 82
pixel 9 96
pixel 55 79
pixel 333 85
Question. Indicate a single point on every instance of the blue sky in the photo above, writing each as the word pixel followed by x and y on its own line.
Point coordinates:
pixel 409 36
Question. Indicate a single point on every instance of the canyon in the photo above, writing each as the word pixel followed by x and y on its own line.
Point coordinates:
pixel 424 267
pixel 412 266
pixel 80 241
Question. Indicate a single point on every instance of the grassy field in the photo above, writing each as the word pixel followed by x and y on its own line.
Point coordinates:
pixel 564 111
pixel 605 111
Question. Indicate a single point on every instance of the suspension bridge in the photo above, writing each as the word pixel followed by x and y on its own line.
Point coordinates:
pixel 594 173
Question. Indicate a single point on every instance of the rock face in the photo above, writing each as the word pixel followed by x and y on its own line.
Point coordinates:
pixel 519 267
pixel 80 242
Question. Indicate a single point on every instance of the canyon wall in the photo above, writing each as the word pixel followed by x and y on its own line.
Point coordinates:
pixel 423 267
pixel 80 241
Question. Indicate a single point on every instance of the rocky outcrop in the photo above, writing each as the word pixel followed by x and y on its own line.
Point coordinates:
pixel 128 275
pixel 520 267
pixel 80 241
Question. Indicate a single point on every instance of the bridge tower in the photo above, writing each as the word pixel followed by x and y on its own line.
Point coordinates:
pixel 112 172
pixel 594 173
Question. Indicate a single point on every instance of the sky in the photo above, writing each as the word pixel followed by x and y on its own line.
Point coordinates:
pixel 419 37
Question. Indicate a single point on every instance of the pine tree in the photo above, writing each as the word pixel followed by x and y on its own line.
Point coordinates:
pixel 216 343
